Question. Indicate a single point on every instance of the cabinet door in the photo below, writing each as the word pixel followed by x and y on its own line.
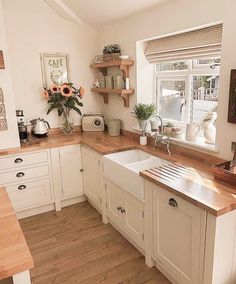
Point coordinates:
pixel 178 236
pixel 92 175
pixel 114 203
pixel 71 176
pixel 133 218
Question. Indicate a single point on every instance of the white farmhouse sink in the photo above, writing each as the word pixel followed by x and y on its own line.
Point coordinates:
pixel 123 169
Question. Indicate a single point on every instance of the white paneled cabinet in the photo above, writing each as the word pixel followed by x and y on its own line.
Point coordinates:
pixel 178 236
pixel 28 180
pixel 125 211
pixel 67 175
pixel 71 171
pixel 92 176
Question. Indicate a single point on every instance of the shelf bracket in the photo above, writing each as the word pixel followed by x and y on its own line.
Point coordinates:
pixel 105 97
pixel 125 69
pixel 125 98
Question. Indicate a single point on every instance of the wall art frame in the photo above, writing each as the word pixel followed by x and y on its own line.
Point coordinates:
pixel 232 98
pixel 3 119
pixel 55 68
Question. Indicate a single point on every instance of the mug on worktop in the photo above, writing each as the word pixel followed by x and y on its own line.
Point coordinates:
pixel 192 130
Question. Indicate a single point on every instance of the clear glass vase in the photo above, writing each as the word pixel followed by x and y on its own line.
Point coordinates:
pixel 67 122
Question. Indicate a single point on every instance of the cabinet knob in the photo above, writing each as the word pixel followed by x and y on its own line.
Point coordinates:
pixel 119 208
pixel 20 174
pixel 21 187
pixel 122 210
pixel 18 160
pixel 81 170
pixel 173 202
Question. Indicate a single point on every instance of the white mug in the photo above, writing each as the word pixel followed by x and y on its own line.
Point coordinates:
pixel 192 130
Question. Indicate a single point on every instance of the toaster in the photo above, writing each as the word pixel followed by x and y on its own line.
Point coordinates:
pixel 93 122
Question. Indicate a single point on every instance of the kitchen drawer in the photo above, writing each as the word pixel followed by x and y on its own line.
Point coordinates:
pixel 20 175
pixel 29 194
pixel 21 160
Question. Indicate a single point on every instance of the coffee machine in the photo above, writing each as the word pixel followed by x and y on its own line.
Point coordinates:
pixel 22 127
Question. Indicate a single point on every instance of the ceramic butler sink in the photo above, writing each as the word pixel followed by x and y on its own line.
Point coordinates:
pixel 123 169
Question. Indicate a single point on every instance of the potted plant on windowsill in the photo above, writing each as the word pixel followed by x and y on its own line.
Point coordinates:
pixel 143 112
pixel 168 128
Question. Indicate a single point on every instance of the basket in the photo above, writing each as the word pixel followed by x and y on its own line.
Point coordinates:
pixel 223 173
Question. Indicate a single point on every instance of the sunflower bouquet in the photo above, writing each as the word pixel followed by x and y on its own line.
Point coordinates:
pixel 64 98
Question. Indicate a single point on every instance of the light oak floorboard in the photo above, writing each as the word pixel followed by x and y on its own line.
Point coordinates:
pixel 76 247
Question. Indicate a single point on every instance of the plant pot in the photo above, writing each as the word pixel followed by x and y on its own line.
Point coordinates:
pixel 143 124
pixel 168 131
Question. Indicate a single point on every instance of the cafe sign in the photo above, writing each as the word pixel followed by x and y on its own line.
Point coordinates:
pixel 55 69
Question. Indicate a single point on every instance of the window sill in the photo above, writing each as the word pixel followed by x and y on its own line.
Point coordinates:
pixel 199 143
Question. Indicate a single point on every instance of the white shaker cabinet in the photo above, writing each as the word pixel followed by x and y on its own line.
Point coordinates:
pixel 178 236
pixel 126 212
pixel 92 176
pixel 71 171
pixel 67 175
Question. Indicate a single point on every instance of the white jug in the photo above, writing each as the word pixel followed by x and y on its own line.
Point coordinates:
pixel 192 130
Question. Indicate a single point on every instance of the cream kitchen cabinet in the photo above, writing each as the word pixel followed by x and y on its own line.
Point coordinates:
pixel 92 176
pixel 126 212
pixel 178 236
pixel 28 180
pixel 67 175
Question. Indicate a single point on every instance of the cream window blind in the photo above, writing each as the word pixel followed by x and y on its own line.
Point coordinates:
pixel 200 43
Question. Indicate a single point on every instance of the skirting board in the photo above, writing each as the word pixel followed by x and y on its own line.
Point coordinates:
pixel 35 211
pixel 74 200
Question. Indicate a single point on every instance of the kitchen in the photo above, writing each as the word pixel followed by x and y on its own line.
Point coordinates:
pixel 151 217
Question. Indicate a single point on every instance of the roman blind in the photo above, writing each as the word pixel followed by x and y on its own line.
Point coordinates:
pixel 205 42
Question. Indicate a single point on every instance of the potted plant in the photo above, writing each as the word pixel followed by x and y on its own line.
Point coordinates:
pixel 168 128
pixel 143 112
pixel 64 98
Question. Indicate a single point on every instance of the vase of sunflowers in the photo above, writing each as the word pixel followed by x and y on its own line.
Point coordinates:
pixel 64 98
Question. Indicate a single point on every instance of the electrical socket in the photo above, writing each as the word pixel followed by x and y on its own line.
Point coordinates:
pixel 233 146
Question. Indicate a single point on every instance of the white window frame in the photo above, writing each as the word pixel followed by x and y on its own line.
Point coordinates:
pixel 188 74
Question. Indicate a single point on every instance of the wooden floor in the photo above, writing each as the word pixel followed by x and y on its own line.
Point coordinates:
pixel 76 247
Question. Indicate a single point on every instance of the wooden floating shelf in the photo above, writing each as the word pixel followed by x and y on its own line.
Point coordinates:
pixel 112 63
pixel 122 64
pixel 121 92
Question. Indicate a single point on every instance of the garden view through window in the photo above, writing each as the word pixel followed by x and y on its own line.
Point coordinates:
pixel 187 90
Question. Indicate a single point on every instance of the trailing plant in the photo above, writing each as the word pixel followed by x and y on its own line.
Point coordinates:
pixel 112 48
pixel 144 111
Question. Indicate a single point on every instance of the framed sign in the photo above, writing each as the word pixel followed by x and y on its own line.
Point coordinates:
pixel 232 98
pixel 2 65
pixel 3 120
pixel 55 69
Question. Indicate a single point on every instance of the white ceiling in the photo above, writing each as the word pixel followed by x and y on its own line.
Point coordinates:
pixel 102 12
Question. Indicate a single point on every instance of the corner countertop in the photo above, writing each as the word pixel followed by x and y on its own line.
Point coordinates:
pixel 201 190
pixel 15 256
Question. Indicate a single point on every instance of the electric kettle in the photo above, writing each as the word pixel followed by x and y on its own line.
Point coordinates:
pixel 40 127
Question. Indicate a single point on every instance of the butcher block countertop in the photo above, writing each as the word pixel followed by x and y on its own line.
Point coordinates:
pixel 199 187
pixel 15 256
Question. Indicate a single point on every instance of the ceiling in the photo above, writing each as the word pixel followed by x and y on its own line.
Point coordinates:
pixel 102 12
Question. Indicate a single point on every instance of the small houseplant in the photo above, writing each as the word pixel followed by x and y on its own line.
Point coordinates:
pixel 143 112
pixel 168 128
pixel 64 98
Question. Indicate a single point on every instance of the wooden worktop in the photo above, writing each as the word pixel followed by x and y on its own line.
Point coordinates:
pixel 15 256
pixel 201 189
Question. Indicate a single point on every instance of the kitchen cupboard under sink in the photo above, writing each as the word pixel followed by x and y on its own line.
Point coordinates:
pixel 123 169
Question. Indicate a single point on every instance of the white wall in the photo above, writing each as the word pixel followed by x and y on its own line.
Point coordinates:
pixel 8 138
pixel 171 17
pixel 33 27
